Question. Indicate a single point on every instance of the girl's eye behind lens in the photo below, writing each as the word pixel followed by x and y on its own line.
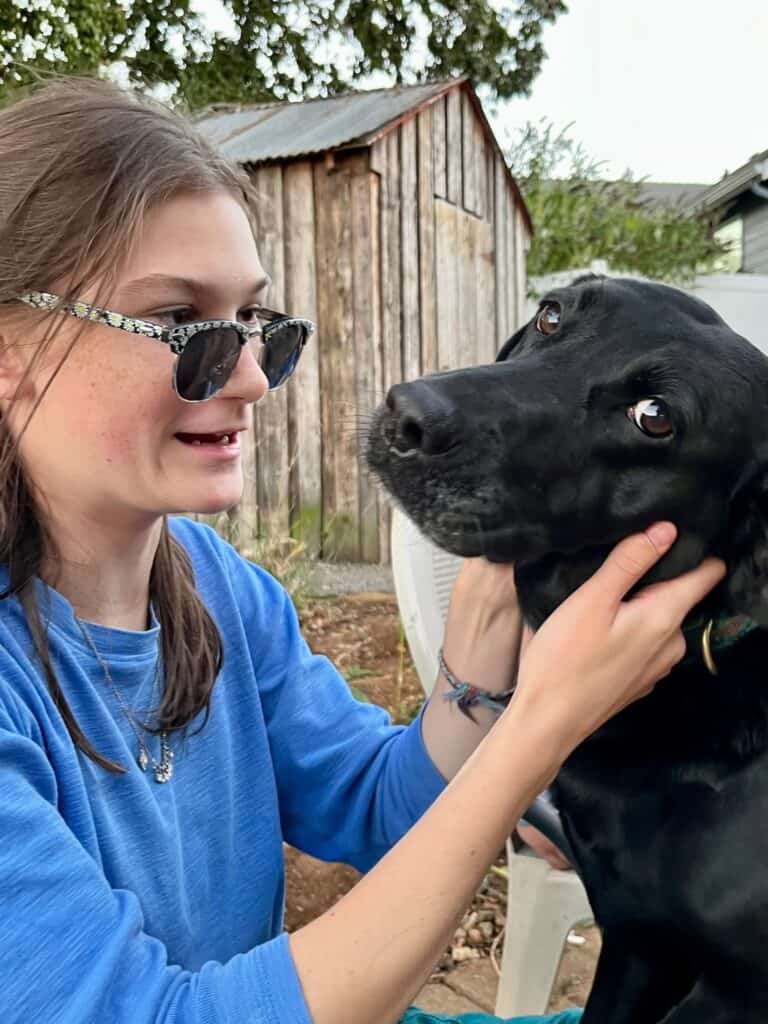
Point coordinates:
pixel 253 317
pixel 172 317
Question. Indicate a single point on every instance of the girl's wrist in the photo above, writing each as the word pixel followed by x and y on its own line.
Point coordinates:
pixel 549 727
pixel 487 658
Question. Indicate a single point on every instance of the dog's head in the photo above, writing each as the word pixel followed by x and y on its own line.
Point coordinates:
pixel 620 403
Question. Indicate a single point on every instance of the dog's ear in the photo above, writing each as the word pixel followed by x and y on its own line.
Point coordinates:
pixel 510 344
pixel 744 547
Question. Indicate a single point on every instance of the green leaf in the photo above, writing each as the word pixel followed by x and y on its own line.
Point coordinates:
pixel 579 216
pixel 277 50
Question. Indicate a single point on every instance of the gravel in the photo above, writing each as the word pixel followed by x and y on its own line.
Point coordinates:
pixel 329 579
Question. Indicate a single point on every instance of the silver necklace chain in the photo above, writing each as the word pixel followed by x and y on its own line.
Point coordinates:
pixel 162 769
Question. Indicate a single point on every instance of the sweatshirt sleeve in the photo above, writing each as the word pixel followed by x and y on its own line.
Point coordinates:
pixel 73 950
pixel 350 783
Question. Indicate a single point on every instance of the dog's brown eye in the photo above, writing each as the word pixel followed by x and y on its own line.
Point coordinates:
pixel 652 416
pixel 548 318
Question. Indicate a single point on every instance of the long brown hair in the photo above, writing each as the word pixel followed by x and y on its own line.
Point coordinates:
pixel 81 163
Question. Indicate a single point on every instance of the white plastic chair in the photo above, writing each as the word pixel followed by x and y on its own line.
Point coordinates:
pixel 543 903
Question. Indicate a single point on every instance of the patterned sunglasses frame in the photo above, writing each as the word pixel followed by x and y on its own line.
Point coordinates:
pixel 178 337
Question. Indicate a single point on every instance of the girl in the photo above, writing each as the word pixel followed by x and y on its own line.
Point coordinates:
pixel 163 727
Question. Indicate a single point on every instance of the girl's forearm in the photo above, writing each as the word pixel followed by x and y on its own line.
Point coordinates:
pixel 367 957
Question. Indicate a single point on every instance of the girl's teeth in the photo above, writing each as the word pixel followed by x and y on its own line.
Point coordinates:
pixel 224 439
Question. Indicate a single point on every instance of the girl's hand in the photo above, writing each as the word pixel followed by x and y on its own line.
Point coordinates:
pixel 599 651
pixel 544 847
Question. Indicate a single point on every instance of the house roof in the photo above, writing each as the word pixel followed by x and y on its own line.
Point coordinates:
pixel 731 186
pixel 284 131
pixel 671 193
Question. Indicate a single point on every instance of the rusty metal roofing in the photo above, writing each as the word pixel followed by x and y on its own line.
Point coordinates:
pixel 284 131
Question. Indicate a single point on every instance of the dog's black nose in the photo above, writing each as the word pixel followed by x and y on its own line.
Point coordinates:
pixel 424 419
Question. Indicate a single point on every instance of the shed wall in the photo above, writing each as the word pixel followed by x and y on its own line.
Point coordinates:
pixel 410 256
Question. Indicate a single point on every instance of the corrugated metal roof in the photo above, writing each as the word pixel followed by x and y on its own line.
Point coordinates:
pixel 281 131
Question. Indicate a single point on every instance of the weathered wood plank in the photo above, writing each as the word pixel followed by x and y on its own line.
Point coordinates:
pixel 466 341
pixel 391 268
pixel 391 326
pixel 447 280
pixel 383 511
pixel 304 444
pixel 503 284
pixel 338 385
pixel 409 253
pixel 490 174
pixel 427 242
pixel 244 517
pixel 487 345
pixel 521 250
pixel 273 473
pixel 511 259
pixel 439 158
pixel 468 155
pixel 271 414
pixel 453 146
pixel 365 274
pixel 377 160
pixel 481 201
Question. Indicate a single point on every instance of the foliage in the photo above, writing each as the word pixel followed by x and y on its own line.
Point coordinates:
pixel 579 216
pixel 281 49
pixel 285 558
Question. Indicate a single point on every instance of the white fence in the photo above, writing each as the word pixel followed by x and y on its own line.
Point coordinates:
pixel 740 299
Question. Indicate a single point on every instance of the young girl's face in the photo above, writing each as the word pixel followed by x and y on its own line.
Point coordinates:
pixel 110 438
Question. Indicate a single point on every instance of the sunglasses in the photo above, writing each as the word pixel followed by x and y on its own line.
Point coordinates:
pixel 206 352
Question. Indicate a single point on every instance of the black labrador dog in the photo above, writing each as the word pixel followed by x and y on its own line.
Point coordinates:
pixel 621 403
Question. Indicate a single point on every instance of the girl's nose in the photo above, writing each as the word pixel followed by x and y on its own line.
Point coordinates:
pixel 248 381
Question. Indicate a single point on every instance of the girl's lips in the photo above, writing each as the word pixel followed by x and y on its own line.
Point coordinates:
pixel 221 445
pixel 220 437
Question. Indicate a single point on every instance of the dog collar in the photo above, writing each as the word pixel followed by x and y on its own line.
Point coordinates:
pixel 706 636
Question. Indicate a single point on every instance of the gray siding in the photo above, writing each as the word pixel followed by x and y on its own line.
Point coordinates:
pixel 756 240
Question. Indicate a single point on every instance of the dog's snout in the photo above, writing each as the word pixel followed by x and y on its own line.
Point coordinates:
pixel 423 418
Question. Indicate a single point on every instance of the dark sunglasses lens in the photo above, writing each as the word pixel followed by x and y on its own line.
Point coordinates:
pixel 207 362
pixel 281 350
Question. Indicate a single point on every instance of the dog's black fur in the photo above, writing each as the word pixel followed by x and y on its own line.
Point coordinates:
pixel 535 460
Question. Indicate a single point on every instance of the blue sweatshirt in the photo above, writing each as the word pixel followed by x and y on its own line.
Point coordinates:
pixel 125 900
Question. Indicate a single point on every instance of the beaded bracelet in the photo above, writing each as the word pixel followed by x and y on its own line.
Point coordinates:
pixel 466 696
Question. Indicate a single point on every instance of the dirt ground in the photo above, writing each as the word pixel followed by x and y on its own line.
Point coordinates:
pixel 361 635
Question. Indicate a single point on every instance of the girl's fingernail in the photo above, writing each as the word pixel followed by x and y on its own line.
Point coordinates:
pixel 661 534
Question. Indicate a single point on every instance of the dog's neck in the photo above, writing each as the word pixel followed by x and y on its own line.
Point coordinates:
pixel 546 583
pixel 707 636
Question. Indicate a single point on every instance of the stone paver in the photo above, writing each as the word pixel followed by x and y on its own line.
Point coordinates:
pixel 438 998
pixel 477 981
pixel 469 988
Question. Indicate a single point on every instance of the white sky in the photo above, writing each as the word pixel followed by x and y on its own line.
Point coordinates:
pixel 675 90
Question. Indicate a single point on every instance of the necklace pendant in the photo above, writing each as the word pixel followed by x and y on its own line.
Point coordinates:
pixel 163 772
pixel 143 759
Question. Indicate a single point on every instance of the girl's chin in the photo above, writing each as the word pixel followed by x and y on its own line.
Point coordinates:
pixel 214 501
pixel 210 508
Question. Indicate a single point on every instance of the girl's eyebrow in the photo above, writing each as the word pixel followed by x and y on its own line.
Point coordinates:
pixel 187 283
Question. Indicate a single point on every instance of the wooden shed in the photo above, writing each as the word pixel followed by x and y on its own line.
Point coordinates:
pixel 391 219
